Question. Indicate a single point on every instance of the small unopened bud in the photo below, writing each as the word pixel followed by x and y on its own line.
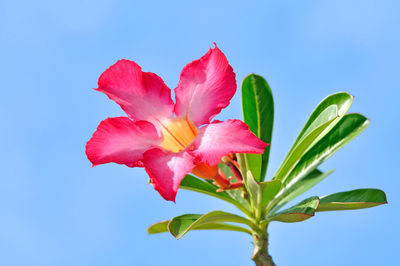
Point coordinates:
pixel 205 171
pixel 225 159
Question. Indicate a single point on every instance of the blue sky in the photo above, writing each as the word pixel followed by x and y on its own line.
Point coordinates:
pixel 57 210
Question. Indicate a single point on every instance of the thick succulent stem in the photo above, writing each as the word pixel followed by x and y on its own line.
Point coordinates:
pixel 260 236
pixel 260 255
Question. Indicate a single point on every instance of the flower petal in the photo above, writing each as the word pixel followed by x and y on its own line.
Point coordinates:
pixel 221 138
pixel 205 87
pixel 142 95
pixel 120 140
pixel 166 170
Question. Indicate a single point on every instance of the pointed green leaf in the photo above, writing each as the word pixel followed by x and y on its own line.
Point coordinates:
pixel 258 113
pixel 194 184
pixel 254 189
pixel 326 115
pixel 293 190
pixel 180 225
pixel 300 212
pixel 334 105
pixel 223 226
pixel 350 126
pixel 352 200
pixel 301 148
pixel 269 190
pixel 242 160
pixel 162 227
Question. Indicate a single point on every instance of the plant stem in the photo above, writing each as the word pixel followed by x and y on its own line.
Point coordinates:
pixel 260 254
pixel 260 236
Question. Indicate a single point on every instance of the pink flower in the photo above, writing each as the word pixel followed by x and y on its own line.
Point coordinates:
pixel 171 139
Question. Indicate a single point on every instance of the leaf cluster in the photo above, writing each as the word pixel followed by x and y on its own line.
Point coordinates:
pixel 328 129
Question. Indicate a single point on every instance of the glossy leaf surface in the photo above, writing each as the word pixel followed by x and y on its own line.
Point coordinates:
pixel 268 191
pixel 195 184
pixel 302 147
pixel 182 224
pixel 334 105
pixel 293 190
pixel 258 113
pixel 352 200
pixel 300 212
pixel 326 115
pixel 350 126
pixel 162 227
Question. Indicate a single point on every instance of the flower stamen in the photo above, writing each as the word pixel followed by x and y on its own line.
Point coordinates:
pixel 177 134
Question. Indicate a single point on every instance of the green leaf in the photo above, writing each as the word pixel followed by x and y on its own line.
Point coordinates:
pixel 326 115
pixel 334 105
pixel 162 227
pixel 223 226
pixel 293 190
pixel 254 190
pixel 258 113
pixel 301 148
pixel 194 184
pixel 269 190
pixel 300 212
pixel 350 126
pixel 180 225
pixel 352 200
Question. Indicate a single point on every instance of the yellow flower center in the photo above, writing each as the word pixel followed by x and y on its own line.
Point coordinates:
pixel 177 134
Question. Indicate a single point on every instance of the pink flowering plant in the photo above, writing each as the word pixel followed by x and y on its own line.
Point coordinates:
pixel 180 146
